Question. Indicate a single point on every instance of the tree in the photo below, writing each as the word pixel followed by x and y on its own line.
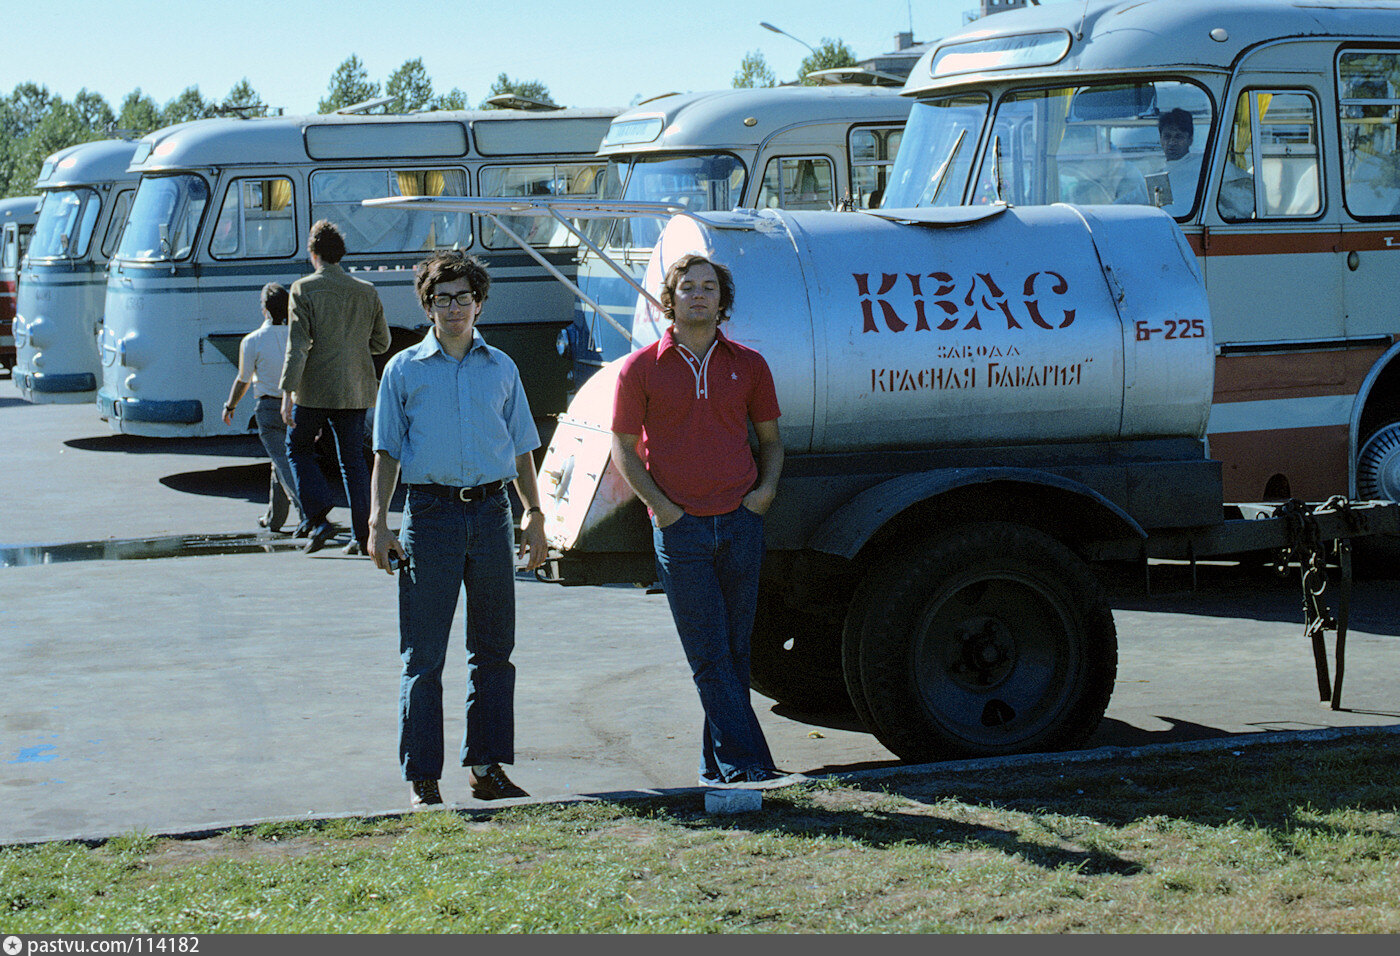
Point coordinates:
pixel 410 87
pixel 29 104
pixel 754 72
pixel 244 95
pixel 189 105
pixel 94 112
pixel 456 100
pixel 830 55
pixel 530 89
pixel 350 84
pixel 138 113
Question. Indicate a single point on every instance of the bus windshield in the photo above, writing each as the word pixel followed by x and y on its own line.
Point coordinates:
pixel 699 182
pixel 1102 144
pixel 65 224
pixel 164 217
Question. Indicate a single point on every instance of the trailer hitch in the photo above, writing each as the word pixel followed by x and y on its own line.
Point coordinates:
pixel 1308 547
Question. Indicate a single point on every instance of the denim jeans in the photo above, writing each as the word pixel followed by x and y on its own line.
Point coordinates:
pixel 450 544
pixel 272 432
pixel 312 489
pixel 709 568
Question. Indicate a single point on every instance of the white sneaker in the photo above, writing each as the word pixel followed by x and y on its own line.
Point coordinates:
pixel 767 779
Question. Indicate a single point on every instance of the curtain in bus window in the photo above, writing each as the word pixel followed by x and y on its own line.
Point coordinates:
pixel 1369 103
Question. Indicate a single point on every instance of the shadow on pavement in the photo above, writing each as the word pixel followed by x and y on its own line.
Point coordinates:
pixel 223 446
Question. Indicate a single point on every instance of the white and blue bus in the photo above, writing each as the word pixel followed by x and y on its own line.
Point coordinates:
pixel 791 147
pixel 85 192
pixel 224 206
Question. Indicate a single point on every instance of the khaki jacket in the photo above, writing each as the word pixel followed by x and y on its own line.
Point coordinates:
pixel 335 325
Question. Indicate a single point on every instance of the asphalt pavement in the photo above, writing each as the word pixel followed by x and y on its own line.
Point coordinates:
pixel 170 667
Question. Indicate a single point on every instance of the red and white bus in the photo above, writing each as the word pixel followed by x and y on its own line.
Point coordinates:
pixel 1268 130
pixel 17 218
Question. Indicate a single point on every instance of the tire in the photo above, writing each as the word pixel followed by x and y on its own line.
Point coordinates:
pixel 1377 557
pixel 795 657
pixel 989 639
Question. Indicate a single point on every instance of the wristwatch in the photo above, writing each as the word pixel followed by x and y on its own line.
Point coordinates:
pixel 530 511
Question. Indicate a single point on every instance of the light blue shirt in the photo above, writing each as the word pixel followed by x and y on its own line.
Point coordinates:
pixel 453 423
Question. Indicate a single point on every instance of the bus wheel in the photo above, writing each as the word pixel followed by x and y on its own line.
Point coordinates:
pixel 989 639
pixel 1378 465
pixel 1378 478
pixel 796 657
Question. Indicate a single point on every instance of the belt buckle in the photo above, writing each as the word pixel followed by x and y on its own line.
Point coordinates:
pixel 465 494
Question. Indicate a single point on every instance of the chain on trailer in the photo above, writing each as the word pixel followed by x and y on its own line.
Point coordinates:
pixel 1310 550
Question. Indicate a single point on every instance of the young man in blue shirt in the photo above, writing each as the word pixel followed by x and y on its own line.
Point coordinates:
pixel 453 420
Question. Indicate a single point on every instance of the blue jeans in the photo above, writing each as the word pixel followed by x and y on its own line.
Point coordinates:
pixel 272 432
pixel 312 489
pixel 451 544
pixel 709 568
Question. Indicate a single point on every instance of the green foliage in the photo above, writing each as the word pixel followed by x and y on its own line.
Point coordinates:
pixel 531 89
pixel 410 87
pixel 456 100
pixel 350 84
pixel 189 105
pixel 243 95
pixel 139 113
pixel 830 55
pixel 754 72
pixel 34 124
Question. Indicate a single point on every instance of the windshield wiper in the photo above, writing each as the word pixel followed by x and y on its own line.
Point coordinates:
pixel 941 174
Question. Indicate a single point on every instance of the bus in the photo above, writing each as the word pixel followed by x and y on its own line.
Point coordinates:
pixel 224 206
pixel 85 192
pixel 790 147
pixel 1268 130
pixel 17 217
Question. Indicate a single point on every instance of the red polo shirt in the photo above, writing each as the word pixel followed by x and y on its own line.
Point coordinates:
pixel 693 413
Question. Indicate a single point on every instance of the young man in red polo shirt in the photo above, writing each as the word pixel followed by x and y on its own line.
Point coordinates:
pixel 680 437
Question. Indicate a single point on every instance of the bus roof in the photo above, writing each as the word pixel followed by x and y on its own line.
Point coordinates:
pixel 100 161
pixel 1118 36
pixel 744 117
pixel 19 209
pixel 286 140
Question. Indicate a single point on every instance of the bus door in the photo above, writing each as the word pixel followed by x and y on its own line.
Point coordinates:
pixel 1369 118
pixel 1273 263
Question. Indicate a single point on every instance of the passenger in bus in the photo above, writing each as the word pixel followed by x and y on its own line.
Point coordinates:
pixel 680 427
pixel 337 326
pixel 453 420
pixel 1176 131
pixel 261 356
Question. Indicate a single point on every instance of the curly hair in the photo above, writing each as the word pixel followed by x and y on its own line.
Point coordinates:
pixel 326 242
pixel 683 265
pixel 447 266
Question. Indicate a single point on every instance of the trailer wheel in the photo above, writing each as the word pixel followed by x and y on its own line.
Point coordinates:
pixel 796 657
pixel 989 639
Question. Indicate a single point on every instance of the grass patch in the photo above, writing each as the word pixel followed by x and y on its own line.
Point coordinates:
pixel 1278 838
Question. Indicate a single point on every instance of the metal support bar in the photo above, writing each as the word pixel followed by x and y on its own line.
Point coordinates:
pixel 556 273
pixel 612 263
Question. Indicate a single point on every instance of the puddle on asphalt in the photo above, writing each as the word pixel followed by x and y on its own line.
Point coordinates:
pixel 140 549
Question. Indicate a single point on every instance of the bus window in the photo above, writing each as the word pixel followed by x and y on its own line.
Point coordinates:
pixel 790 183
pixel 336 195
pixel 1370 114
pixel 1098 145
pixel 164 217
pixel 700 183
pixel 578 181
pixel 935 155
pixel 10 244
pixel 614 173
pixel 65 224
pixel 255 220
pixel 1273 174
pixel 120 207
pixel 872 154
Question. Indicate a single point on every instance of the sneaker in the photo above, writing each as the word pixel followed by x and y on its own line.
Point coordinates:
pixel 493 784
pixel 354 549
pixel 425 794
pixel 755 778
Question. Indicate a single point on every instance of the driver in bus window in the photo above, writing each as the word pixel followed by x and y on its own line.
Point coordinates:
pixel 1175 131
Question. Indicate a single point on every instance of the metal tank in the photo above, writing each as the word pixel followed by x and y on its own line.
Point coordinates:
pixel 919 329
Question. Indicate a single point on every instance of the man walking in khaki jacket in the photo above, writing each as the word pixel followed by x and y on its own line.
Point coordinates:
pixel 337 325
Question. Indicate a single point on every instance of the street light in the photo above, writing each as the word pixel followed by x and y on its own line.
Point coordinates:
pixel 769 26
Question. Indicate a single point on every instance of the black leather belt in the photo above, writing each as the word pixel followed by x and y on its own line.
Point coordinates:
pixel 475 493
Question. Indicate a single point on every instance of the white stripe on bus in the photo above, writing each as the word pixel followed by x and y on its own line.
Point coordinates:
pixel 1280 414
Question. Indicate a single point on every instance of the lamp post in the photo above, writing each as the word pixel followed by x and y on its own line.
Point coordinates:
pixel 769 26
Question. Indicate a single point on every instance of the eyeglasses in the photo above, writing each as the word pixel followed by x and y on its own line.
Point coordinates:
pixel 444 301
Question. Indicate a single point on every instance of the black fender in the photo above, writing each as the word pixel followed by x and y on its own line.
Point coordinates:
pixel 850 528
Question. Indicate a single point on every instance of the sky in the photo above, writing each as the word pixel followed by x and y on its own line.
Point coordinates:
pixel 610 54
